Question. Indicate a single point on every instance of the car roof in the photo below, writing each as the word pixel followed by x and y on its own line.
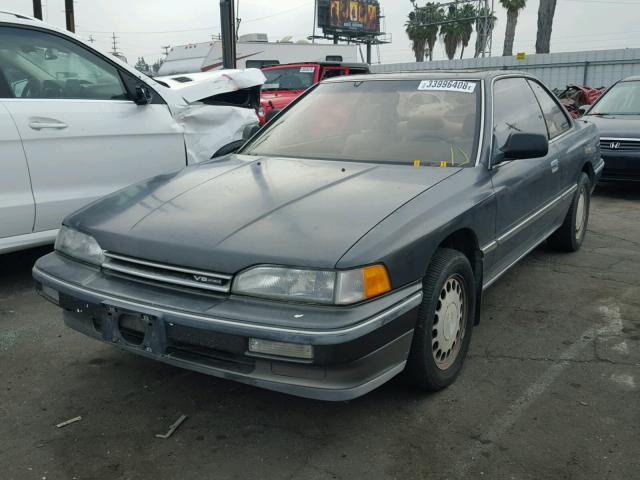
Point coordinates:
pixel 322 64
pixel 433 74
pixel 12 17
pixel 631 79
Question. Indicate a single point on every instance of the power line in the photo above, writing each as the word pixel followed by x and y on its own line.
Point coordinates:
pixel 282 12
pixel 153 33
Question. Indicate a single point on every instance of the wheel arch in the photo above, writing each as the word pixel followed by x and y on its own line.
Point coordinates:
pixel 590 171
pixel 466 242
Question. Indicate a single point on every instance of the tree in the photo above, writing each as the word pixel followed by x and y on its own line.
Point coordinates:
pixel 417 35
pixel 451 34
pixel 156 66
pixel 420 30
pixel 484 26
pixel 546 12
pixel 433 13
pixel 141 65
pixel 513 8
pixel 466 26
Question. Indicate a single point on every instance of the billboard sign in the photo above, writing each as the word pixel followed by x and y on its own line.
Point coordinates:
pixel 349 16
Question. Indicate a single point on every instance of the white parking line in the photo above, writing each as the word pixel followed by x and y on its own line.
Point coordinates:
pixel 613 326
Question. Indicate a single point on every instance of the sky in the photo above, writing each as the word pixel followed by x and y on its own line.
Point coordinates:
pixel 144 26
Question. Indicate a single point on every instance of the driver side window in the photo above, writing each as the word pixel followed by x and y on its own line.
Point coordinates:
pixel 40 65
pixel 516 110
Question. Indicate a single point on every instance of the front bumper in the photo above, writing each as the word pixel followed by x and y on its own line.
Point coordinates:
pixel 621 167
pixel 356 349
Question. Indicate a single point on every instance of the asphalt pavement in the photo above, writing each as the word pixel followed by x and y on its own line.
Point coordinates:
pixel 550 390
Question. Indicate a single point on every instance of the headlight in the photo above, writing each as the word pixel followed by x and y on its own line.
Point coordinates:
pixel 314 286
pixel 79 245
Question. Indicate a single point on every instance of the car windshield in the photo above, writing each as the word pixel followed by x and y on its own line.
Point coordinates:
pixel 289 78
pixel 408 122
pixel 622 99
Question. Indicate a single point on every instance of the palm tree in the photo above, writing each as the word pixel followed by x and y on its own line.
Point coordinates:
pixel 546 11
pixel 467 18
pixel 451 34
pixel 417 35
pixel 433 13
pixel 483 28
pixel 513 10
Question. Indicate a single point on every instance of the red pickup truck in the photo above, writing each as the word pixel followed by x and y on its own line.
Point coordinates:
pixel 287 82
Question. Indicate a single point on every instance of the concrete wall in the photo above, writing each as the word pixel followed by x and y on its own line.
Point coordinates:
pixel 595 68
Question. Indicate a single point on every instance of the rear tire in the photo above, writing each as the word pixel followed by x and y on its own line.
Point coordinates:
pixel 445 321
pixel 570 235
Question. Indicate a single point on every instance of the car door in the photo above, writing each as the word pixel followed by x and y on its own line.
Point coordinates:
pixel 569 154
pixel 83 136
pixel 525 189
pixel 17 209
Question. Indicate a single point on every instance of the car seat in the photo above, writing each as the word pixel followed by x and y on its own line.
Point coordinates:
pixel 5 87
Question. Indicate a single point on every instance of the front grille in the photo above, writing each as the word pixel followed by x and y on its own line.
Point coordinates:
pixel 618 145
pixel 170 274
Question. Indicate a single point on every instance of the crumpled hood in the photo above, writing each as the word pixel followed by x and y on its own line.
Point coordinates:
pixel 616 126
pixel 239 211
pixel 207 128
pixel 195 87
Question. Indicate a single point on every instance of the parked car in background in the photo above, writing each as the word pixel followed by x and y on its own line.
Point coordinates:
pixel 285 83
pixel 617 116
pixel 333 252
pixel 77 124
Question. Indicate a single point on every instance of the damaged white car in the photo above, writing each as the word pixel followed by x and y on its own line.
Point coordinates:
pixel 77 124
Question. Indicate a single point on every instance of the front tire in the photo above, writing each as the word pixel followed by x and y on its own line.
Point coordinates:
pixel 570 235
pixel 445 320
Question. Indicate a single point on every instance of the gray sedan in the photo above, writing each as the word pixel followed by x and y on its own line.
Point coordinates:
pixel 347 242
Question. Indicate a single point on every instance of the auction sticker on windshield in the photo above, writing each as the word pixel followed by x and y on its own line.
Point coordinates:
pixel 448 86
pixel 307 69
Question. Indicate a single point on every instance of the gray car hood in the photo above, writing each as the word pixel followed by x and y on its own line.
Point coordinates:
pixel 616 126
pixel 238 211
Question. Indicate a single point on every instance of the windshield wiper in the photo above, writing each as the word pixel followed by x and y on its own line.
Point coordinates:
pixel 614 113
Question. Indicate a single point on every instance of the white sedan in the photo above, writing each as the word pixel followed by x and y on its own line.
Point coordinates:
pixel 77 124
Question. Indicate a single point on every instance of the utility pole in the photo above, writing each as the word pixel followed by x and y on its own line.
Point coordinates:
pixel 37 9
pixel 114 45
pixel 91 39
pixel 166 49
pixel 238 19
pixel 69 15
pixel 228 25
pixel 315 19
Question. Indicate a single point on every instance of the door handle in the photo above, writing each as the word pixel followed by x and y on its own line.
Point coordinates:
pixel 36 125
pixel 555 166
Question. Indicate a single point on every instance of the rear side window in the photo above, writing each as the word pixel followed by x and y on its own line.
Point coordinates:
pixel 515 110
pixel 37 64
pixel 556 120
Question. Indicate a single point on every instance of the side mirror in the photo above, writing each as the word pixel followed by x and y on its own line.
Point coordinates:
pixel 249 131
pixel 142 95
pixel 521 146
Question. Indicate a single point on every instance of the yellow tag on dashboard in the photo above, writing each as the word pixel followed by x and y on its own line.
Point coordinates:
pixel 443 164
pixel 417 163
